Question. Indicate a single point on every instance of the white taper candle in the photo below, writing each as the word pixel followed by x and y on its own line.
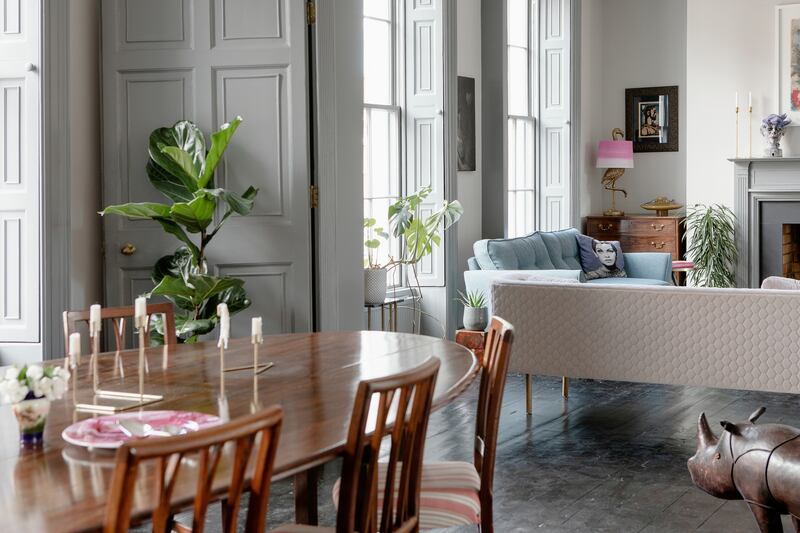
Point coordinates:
pixel 749 99
pixel 224 325
pixel 140 312
pixel 257 333
pixel 74 349
pixel 95 320
pixel 736 98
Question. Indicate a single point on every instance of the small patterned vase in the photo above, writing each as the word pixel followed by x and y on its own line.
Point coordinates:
pixel 31 417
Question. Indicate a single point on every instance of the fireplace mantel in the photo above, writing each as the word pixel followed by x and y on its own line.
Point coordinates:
pixel 757 180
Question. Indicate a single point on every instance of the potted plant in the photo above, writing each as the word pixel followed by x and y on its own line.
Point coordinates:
pixel 374 273
pixel 418 236
pixel 476 314
pixel 181 169
pixel 30 390
pixel 711 230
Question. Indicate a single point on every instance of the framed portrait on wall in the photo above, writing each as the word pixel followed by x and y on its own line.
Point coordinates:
pixel 651 119
pixel 787 52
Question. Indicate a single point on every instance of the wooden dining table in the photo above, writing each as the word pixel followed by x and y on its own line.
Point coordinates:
pixel 60 487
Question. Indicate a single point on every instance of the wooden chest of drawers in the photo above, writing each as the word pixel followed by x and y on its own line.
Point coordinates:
pixel 640 233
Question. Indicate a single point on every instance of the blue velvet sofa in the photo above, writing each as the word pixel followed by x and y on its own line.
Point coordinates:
pixel 550 255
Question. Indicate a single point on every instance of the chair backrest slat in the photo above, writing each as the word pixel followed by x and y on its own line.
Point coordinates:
pixel 400 404
pixel 496 355
pixel 117 316
pixel 208 445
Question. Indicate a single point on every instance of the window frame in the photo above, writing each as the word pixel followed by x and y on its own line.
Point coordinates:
pixel 529 121
pixel 397 278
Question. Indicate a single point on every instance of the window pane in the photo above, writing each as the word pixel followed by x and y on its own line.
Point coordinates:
pixel 378 8
pixel 517 81
pixel 377 62
pixel 518 22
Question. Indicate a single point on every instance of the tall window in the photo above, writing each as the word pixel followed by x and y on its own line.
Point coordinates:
pixel 522 197
pixel 382 118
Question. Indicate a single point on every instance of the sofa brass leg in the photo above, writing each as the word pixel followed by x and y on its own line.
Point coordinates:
pixel 565 386
pixel 528 394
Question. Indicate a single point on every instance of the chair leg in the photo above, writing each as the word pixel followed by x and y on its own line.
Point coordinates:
pixel 565 386
pixel 528 394
pixel 487 519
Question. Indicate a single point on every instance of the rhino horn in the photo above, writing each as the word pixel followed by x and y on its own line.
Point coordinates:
pixel 757 414
pixel 730 427
pixel 705 437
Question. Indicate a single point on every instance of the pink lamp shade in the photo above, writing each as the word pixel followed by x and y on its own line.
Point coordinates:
pixel 615 154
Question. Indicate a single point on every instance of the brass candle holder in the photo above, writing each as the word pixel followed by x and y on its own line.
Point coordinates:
pixel 117 401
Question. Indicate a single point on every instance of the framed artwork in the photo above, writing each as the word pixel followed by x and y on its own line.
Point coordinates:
pixel 787 51
pixel 465 136
pixel 651 119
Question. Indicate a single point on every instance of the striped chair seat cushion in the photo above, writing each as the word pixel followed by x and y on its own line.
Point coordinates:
pixel 449 494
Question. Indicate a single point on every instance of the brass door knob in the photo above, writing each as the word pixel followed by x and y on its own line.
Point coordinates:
pixel 128 249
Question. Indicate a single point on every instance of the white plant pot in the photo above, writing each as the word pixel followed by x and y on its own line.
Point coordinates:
pixel 374 285
pixel 476 318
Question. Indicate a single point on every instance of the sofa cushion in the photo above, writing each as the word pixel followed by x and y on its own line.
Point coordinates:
pixel 629 281
pixel 594 252
pixel 562 248
pixel 521 253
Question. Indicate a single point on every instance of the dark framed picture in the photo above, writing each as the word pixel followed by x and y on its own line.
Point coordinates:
pixel 465 136
pixel 651 119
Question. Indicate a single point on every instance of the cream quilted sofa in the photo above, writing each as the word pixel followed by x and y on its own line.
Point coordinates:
pixel 729 338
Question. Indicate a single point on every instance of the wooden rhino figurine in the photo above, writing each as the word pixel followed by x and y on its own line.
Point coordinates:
pixel 757 464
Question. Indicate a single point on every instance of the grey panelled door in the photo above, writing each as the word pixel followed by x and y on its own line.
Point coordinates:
pixel 208 61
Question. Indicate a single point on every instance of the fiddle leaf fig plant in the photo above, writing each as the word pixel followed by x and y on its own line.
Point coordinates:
pixel 182 170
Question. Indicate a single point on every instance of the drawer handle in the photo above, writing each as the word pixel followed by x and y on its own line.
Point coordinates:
pixel 659 245
pixel 657 228
pixel 603 227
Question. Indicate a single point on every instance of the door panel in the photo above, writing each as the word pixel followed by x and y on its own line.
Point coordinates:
pixel 208 61
pixel 19 172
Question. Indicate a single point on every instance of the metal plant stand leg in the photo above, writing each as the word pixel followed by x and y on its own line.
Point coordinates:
pixel 565 386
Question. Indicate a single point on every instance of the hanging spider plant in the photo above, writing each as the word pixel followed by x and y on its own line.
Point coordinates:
pixel 711 230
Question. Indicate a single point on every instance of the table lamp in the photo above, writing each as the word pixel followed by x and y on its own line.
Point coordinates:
pixel 615 156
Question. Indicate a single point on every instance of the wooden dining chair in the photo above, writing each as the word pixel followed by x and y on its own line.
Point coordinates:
pixel 259 431
pixel 399 405
pixel 117 315
pixel 454 493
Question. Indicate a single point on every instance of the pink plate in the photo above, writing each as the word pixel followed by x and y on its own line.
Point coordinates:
pixel 104 431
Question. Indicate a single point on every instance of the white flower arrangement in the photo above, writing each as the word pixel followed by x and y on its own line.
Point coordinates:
pixel 33 381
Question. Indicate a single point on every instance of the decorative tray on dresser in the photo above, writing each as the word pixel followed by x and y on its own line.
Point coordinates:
pixel 640 233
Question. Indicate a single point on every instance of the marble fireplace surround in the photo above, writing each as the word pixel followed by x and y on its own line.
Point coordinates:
pixel 758 181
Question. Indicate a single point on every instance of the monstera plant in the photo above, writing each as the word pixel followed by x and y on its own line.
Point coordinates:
pixel 183 171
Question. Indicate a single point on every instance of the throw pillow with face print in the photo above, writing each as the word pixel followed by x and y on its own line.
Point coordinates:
pixel 600 259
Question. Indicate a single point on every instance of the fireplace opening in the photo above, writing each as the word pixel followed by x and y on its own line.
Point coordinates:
pixel 791 251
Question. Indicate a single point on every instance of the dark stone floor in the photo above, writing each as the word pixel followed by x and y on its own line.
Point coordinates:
pixel 610 458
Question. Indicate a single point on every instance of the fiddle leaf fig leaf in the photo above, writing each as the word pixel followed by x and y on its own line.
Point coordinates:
pixel 168 184
pixel 181 158
pixel 173 228
pixel 176 290
pixel 219 142
pixel 177 265
pixel 186 137
pixel 195 215
pixel 143 210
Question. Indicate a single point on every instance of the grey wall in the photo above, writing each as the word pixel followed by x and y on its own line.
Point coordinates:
pixel 470 184
pixel 492 118
pixel 86 274
pixel 629 44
